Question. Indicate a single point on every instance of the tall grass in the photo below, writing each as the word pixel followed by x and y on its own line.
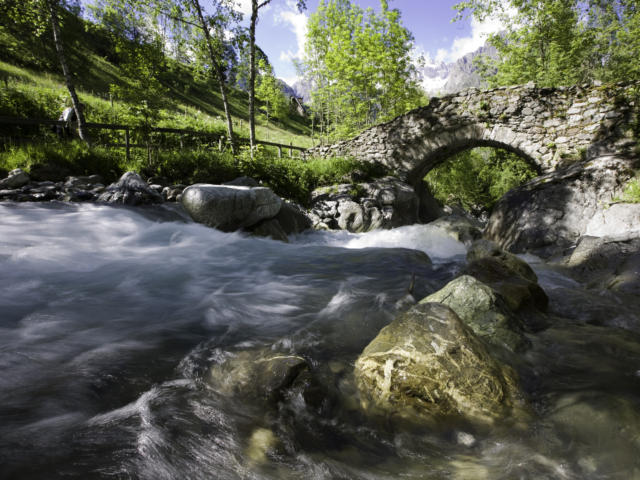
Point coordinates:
pixel 292 178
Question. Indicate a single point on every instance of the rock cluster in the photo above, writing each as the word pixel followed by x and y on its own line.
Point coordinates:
pixel 361 207
pixel 548 126
pixel 19 187
pixel 443 357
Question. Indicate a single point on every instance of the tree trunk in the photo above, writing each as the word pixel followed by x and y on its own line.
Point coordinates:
pixel 252 73
pixel 219 75
pixel 57 40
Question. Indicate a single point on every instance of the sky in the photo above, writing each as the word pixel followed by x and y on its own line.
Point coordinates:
pixel 281 30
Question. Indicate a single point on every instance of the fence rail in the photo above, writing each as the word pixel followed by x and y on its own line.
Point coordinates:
pixel 128 129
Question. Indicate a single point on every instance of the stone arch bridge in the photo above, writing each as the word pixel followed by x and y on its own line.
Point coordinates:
pixel 548 127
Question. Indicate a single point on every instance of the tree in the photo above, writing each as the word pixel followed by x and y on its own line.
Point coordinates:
pixel 37 15
pixel 268 90
pixel 360 66
pixel 561 42
pixel 256 5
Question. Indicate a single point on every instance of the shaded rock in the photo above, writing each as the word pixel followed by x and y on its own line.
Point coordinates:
pixel 171 193
pixel 518 292
pixel 618 219
pixel 157 180
pixel 460 227
pixel 16 179
pixel 427 364
pixel 361 207
pixel 83 182
pixel 488 249
pixel 229 208
pixel 269 228
pixel 548 214
pixel 482 309
pixel 261 375
pixel 607 262
pixel 130 190
pixel 292 219
pixel 243 182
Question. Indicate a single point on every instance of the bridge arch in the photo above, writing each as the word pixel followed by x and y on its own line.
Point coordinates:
pixel 545 126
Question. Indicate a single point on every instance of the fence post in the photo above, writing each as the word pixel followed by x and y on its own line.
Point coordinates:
pixel 220 144
pixel 290 150
pixel 181 143
pixel 279 151
pixel 127 142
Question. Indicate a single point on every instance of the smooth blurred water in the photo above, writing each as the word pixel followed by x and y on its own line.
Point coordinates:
pixel 110 319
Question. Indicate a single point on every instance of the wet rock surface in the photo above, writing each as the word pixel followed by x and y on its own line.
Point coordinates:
pixel 484 311
pixel 427 364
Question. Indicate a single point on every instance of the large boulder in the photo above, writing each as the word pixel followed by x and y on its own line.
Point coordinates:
pixel 130 190
pixel 292 219
pixel 16 179
pixel 361 207
pixel 228 207
pixel 607 263
pixel 548 214
pixel 484 310
pixel 618 219
pixel 427 364
pixel 508 275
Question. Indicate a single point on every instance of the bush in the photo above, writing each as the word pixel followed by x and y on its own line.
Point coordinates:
pixel 477 179
pixel 54 161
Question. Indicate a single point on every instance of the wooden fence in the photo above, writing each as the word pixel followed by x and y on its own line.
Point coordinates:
pixel 209 137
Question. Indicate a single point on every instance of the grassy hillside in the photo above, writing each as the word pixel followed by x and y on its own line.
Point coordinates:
pixel 31 86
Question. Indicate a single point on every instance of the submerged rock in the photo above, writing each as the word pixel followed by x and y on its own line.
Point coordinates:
pixel 270 228
pixel 484 310
pixel 229 208
pixel 460 227
pixel 427 364
pixel 130 190
pixel 257 375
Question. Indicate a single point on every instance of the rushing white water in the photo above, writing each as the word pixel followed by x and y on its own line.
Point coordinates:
pixel 110 319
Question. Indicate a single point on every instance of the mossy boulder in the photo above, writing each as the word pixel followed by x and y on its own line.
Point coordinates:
pixel 487 249
pixel 483 309
pixel 428 365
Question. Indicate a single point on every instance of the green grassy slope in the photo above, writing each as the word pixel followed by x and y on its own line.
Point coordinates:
pixel 30 86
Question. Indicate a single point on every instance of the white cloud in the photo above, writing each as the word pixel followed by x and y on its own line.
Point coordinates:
pixel 290 80
pixel 297 22
pixel 460 46
pixel 244 6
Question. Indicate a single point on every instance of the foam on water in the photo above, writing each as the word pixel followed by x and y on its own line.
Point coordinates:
pixel 429 239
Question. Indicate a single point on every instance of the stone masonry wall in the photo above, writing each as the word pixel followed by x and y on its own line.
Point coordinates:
pixel 549 127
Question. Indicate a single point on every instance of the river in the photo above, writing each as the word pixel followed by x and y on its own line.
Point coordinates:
pixel 111 320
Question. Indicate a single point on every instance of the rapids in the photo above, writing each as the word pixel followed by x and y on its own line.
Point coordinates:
pixel 111 318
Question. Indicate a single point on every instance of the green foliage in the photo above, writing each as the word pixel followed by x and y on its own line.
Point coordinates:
pixel 478 178
pixel 631 192
pixel 560 42
pixel 359 63
pixel 57 160
pixel 268 91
